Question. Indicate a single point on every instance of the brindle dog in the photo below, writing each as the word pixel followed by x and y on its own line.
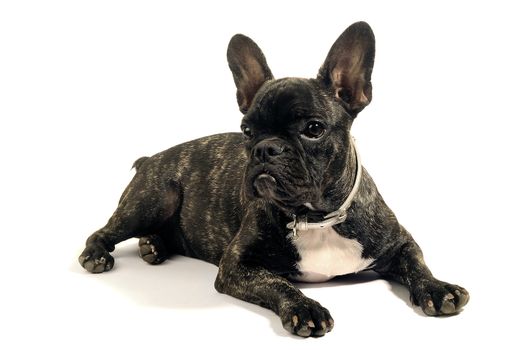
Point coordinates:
pixel 229 199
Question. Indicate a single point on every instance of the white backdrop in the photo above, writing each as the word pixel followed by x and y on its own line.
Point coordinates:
pixel 86 87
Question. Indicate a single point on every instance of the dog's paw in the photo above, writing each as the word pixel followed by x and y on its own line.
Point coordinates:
pixel 152 249
pixel 306 318
pixel 96 259
pixel 437 298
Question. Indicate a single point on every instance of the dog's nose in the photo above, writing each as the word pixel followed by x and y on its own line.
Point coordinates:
pixel 267 149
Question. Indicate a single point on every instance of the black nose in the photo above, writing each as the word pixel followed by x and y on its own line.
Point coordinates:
pixel 267 149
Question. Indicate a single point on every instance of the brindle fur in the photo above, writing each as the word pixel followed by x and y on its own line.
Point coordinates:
pixel 198 199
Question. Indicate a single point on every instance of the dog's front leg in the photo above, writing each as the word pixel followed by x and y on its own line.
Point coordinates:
pixel 256 284
pixel 435 297
pixel 299 315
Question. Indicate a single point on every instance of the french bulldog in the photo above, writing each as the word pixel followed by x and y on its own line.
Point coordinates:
pixel 285 200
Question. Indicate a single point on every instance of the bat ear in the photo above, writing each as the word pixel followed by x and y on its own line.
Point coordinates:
pixel 347 70
pixel 249 68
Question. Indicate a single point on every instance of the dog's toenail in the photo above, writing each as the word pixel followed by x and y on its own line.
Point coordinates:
pixel 295 320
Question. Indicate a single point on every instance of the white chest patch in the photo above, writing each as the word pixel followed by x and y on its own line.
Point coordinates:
pixel 325 254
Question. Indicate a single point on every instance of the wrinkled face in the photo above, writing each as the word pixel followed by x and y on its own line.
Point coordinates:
pixel 296 141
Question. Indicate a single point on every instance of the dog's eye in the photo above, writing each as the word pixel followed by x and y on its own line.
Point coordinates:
pixel 246 131
pixel 314 130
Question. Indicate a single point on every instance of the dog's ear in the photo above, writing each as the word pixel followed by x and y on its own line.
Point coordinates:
pixel 249 68
pixel 346 72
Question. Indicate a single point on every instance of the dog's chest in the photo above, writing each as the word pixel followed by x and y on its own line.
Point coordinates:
pixel 325 254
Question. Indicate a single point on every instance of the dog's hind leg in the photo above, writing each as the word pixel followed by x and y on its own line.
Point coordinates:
pixel 146 204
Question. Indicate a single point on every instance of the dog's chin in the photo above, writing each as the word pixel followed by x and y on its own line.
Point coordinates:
pixel 266 188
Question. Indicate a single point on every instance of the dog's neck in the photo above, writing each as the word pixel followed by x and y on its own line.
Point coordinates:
pixel 307 222
pixel 336 193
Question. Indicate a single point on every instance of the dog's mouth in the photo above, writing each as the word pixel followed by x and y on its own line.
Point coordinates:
pixel 268 184
pixel 265 185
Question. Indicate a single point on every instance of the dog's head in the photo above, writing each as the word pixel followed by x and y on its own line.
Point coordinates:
pixel 297 130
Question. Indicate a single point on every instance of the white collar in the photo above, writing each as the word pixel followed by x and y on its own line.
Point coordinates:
pixel 335 217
